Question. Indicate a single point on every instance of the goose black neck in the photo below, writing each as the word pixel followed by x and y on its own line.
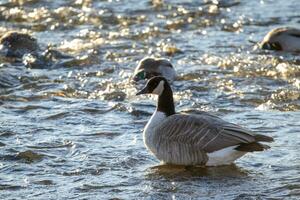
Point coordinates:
pixel 165 101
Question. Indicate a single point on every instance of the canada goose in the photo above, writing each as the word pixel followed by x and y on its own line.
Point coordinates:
pixel 188 139
pixel 15 44
pixel 150 67
pixel 282 39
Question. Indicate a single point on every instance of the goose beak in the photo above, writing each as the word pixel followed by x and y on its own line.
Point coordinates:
pixel 143 91
pixel 265 45
pixel 135 79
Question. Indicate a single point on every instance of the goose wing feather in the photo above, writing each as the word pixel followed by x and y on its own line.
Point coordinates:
pixel 204 132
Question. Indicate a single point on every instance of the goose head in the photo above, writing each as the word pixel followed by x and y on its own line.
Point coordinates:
pixel 159 86
pixel 155 85
pixel 282 39
pixel 15 44
pixel 150 67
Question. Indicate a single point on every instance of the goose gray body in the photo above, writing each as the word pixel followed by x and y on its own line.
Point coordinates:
pixel 194 139
pixel 282 39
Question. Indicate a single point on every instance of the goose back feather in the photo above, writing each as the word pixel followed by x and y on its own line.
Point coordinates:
pixel 187 139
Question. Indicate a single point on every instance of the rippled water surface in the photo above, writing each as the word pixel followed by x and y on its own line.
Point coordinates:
pixel 71 127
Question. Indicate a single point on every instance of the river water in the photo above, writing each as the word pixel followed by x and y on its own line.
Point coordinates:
pixel 72 128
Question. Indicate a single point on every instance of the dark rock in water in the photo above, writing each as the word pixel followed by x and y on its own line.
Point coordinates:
pixel 52 54
pixel 22 47
pixel 116 96
pixel 35 61
pixel 10 187
pixel 45 59
pixel 15 44
pixel 44 182
pixel 138 113
pixel 29 156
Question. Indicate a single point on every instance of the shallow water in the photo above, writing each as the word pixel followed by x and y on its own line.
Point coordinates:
pixel 73 129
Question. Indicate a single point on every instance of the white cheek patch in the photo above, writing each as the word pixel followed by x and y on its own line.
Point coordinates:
pixel 159 89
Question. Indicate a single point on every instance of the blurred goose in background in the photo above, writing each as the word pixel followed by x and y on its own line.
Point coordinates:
pixel 189 139
pixel 150 67
pixel 282 39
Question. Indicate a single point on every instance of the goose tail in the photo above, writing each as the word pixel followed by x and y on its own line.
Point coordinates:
pixel 263 138
pixel 251 147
